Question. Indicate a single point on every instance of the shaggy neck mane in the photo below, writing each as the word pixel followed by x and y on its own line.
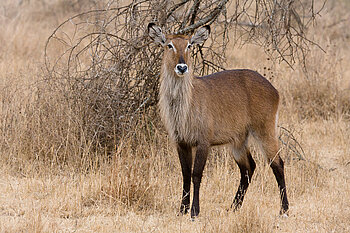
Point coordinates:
pixel 175 96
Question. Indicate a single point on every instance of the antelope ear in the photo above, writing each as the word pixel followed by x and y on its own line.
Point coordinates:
pixel 156 33
pixel 201 35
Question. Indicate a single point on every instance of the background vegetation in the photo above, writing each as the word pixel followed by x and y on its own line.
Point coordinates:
pixel 70 162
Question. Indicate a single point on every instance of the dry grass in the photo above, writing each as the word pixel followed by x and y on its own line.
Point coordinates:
pixel 138 188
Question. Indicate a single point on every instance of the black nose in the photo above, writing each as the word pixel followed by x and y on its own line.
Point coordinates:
pixel 182 68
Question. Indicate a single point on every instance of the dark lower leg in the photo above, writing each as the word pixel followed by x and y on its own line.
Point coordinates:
pixel 199 164
pixel 278 170
pixel 185 156
pixel 185 203
pixel 246 176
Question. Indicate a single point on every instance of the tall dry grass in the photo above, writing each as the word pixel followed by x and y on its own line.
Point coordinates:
pixel 52 180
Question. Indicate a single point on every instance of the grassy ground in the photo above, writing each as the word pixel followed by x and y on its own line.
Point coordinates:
pixel 140 189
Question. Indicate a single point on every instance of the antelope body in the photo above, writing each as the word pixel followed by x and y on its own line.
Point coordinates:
pixel 221 108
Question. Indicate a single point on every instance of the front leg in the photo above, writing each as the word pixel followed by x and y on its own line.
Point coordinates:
pixel 199 164
pixel 185 156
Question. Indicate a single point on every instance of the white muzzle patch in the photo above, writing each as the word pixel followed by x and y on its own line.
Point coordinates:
pixel 181 69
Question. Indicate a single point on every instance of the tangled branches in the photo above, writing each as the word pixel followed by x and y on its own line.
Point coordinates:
pixel 108 70
pixel 278 26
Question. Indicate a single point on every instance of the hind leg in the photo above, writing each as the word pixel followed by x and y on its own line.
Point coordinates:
pixel 246 166
pixel 270 147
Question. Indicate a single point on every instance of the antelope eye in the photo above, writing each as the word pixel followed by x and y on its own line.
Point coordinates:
pixel 189 46
pixel 170 46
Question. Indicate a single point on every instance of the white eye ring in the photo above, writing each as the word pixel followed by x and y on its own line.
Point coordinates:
pixel 189 46
pixel 171 46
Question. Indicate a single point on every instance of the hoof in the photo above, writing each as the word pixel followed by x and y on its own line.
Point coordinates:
pixel 284 213
pixel 184 209
pixel 236 205
pixel 194 214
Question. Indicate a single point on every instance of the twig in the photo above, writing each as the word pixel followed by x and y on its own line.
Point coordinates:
pixel 300 155
pixel 175 7
pixel 211 17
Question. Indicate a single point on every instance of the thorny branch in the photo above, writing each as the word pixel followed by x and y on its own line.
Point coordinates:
pixel 288 140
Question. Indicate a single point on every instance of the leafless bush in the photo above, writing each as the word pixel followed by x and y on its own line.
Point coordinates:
pixel 107 70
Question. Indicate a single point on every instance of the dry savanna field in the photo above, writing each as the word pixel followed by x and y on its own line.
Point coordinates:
pixel 138 187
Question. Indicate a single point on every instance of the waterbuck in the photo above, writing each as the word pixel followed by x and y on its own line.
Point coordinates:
pixel 222 108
